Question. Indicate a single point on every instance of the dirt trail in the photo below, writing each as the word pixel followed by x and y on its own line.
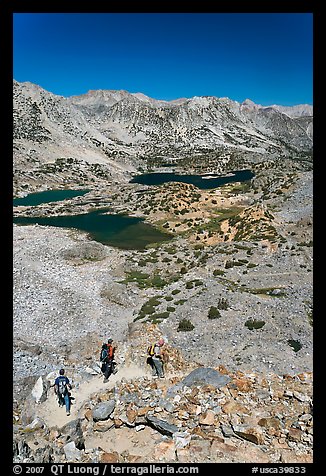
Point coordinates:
pixel 53 415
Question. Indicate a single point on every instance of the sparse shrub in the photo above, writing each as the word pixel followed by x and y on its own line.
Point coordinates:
pixel 197 282
pixel 218 272
pixel 142 262
pixel 171 250
pixel 213 313
pixel 185 325
pixel 158 282
pixel 254 324
pixel 86 252
pixel 148 306
pixel 309 243
pixel 223 304
pixel 159 315
pixel 251 265
pixel 295 344
pixel 168 298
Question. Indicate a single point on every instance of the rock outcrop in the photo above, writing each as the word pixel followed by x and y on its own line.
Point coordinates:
pixel 207 415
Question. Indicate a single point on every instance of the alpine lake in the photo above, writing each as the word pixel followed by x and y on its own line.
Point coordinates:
pixel 118 230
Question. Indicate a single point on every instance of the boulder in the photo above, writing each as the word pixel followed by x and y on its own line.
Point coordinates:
pixel 162 426
pixel 36 424
pixel 22 449
pixel 43 455
pixel 103 410
pixel 72 431
pixel 253 434
pixel 39 391
pixel 201 376
pixel 181 439
pixel 93 370
pixel 207 418
pixel 71 452
pixel 198 451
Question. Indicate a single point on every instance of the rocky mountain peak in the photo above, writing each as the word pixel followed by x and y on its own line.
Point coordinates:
pixel 122 118
pixel 103 97
pixel 300 110
pixel 249 102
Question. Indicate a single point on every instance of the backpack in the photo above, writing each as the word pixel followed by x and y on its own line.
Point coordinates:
pixel 150 350
pixel 62 387
pixel 104 354
pixel 110 351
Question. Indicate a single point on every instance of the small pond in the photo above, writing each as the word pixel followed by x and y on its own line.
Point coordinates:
pixel 47 196
pixel 120 231
pixel 204 182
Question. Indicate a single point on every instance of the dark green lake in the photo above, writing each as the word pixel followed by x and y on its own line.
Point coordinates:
pixel 47 196
pixel 211 180
pixel 119 231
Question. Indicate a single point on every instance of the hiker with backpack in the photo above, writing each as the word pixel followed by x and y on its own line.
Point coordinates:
pixel 61 389
pixel 107 360
pixel 156 358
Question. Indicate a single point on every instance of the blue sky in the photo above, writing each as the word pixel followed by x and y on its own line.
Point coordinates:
pixel 266 57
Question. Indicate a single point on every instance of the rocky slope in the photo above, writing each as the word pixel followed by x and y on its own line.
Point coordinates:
pixel 195 414
pixel 231 291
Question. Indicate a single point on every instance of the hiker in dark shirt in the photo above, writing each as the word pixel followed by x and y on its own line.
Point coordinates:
pixel 61 389
pixel 108 364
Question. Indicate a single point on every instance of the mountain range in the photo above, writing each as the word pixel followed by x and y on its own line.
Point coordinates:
pixel 117 127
